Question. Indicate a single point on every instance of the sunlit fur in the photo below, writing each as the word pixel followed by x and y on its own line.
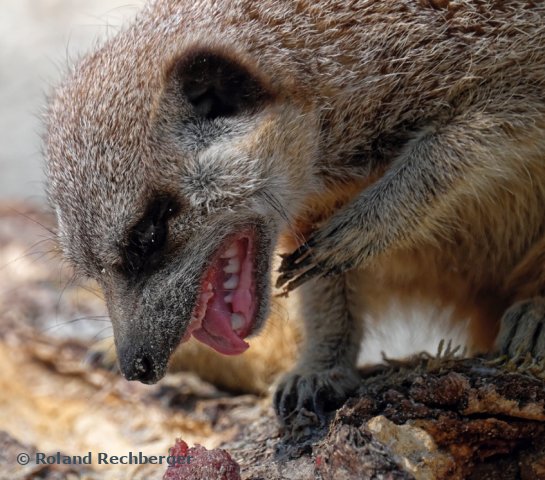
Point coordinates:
pixel 425 118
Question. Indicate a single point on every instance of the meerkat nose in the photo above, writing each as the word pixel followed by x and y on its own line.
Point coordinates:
pixel 142 368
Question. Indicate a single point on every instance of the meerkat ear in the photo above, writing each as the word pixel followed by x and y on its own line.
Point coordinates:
pixel 218 86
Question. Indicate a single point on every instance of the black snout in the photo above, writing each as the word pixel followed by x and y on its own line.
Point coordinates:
pixel 141 365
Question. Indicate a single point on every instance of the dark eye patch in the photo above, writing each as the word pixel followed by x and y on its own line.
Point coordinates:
pixel 146 241
pixel 217 86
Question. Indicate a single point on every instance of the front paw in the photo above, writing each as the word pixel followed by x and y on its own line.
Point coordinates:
pixel 331 250
pixel 522 330
pixel 342 244
pixel 303 397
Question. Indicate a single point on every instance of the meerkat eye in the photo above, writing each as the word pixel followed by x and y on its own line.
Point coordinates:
pixel 146 240
pixel 217 86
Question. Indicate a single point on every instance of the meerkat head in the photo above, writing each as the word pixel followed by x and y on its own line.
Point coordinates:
pixel 172 171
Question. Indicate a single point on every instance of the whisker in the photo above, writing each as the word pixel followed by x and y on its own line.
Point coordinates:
pixel 95 291
pixel 28 252
pixel 272 200
pixel 68 283
pixel 96 337
pixel 92 318
pixel 28 217
pixel 296 233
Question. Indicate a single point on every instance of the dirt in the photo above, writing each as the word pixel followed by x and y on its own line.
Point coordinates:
pixel 429 417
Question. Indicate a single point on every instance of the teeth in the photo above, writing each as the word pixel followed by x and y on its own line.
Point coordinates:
pixel 231 252
pixel 229 298
pixel 237 321
pixel 232 283
pixel 233 266
pixel 205 297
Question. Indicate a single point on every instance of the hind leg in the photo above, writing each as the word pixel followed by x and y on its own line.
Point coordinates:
pixel 522 329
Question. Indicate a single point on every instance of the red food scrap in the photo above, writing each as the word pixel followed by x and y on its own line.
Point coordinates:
pixel 198 463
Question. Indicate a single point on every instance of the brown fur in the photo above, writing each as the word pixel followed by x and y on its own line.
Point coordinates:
pixel 423 121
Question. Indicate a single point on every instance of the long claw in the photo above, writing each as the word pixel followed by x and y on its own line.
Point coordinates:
pixel 293 259
pixel 297 269
pixel 285 277
pixel 303 278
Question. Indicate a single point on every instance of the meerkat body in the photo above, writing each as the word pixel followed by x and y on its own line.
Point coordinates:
pixel 402 143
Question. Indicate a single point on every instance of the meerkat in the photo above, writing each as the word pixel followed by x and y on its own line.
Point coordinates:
pixel 390 149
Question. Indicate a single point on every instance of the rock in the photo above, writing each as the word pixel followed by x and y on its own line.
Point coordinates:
pixel 197 463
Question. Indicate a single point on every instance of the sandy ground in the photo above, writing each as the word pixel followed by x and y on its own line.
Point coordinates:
pixel 38 38
pixel 442 418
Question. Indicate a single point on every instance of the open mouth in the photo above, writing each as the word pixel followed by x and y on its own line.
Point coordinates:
pixel 227 305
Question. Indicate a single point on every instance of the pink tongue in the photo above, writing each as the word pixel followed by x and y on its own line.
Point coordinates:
pixel 217 332
pixel 216 329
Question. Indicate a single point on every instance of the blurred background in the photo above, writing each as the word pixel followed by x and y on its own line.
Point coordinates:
pixel 54 395
pixel 38 39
